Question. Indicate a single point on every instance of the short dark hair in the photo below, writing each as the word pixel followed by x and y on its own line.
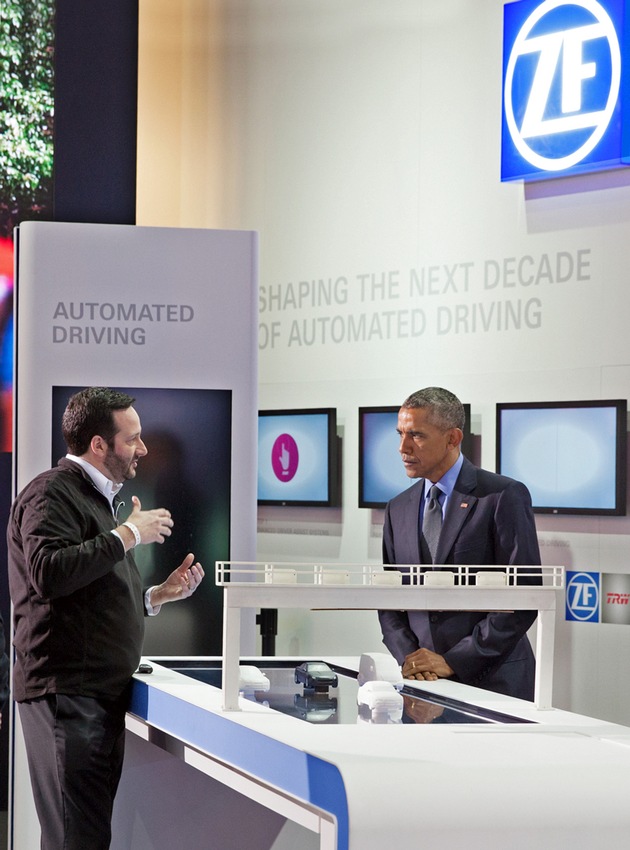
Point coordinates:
pixel 90 413
pixel 446 410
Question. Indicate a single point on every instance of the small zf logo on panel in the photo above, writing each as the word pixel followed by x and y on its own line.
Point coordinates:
pixel 562 82
pixel 582 597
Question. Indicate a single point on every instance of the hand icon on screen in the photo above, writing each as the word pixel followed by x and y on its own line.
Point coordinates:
pixel 285 459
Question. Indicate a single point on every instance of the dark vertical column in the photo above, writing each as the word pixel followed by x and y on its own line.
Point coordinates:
pixel 5 609
pixel 96 82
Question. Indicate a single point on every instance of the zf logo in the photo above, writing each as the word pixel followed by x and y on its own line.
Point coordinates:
pixel 561 82
pixel 582 597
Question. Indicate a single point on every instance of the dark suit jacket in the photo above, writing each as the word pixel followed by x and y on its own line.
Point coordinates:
pixel 488 520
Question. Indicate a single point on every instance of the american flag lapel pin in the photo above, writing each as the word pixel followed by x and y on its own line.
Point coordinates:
pixel 464 505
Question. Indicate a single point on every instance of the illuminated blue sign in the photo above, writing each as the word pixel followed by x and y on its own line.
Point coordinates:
pixel 582 597
pixel 563 82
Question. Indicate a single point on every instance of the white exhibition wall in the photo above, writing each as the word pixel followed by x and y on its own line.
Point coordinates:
pixel 361 139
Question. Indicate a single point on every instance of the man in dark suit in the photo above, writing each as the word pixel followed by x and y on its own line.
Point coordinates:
pixel 486 519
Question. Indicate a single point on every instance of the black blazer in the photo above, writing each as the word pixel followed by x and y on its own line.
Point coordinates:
pixel 488 521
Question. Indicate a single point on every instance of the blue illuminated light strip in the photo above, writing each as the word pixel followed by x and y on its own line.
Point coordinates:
pixel 300 774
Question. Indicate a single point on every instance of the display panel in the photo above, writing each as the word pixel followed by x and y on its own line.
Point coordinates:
pixel 381 472
pixel 298 457
pixel 179 426
pixel 571 454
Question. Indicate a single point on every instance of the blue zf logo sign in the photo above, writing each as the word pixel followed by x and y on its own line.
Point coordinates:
pixel 562 76
pixel 582 597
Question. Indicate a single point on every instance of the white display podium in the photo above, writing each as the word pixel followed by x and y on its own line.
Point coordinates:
pixel 215 778
pixel 528 775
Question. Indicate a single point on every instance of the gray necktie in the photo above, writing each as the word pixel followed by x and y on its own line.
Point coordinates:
pixel 432 520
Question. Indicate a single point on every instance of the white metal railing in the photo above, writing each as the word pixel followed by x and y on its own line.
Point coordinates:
pixel 249 584
pixel 233 572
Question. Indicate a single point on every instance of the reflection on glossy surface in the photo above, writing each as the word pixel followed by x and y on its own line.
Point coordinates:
pixel 421 711
pixel 336 706
pixel 378 716
pixel 315 707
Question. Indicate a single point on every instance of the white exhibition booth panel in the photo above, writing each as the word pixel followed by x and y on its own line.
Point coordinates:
pixel 164 310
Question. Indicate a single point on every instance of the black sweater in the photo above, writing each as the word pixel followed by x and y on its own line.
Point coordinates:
pixel 77 597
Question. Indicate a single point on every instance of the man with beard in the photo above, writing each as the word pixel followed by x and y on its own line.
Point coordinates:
pixel 79 610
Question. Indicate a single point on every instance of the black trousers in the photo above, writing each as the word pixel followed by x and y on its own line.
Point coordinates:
pixel 75 747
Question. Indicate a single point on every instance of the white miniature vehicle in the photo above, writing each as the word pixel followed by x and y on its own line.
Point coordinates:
pixel 380 698
pixel 379 667
pixel 251 679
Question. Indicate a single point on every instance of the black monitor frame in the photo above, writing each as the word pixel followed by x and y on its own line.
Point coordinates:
pixel 331 461
pixel 620 407
pixel 364 501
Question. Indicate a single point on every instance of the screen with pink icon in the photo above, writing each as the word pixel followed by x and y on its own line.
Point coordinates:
pixel 297 457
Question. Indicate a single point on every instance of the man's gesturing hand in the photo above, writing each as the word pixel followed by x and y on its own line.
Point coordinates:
pixel 181 583
pixel 152 526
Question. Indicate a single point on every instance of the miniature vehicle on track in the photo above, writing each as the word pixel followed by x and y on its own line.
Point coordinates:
pixel 315 676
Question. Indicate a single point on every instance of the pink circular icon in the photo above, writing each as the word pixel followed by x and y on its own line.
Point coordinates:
pixel 285 457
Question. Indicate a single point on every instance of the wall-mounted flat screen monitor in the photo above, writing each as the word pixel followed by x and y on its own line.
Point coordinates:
pixel 570 454
pixel 298 458
pixel 381 472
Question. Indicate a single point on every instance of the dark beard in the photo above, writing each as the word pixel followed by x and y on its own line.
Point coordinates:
pixel 118 469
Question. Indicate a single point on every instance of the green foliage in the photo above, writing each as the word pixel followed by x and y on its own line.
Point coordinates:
pixel 26 111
